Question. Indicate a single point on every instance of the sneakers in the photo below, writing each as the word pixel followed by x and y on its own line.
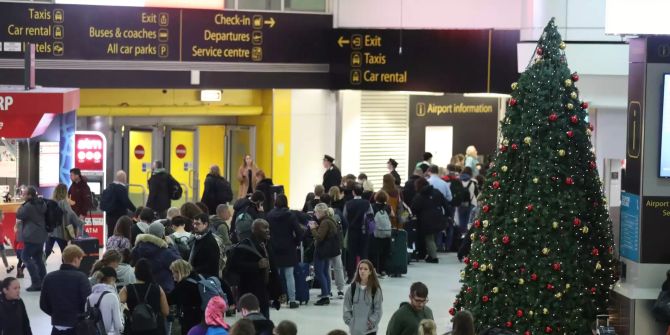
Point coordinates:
pixel 293 305
pixel 322 302
pixel 33 289
pixel 340 295
pixel 10 269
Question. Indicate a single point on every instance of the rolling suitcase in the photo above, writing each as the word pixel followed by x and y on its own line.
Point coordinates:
pixel 91 248
pixel 396 265
pixel 301 274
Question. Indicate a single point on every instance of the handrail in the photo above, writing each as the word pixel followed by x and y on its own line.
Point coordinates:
pixel 144 192
pixel 184 187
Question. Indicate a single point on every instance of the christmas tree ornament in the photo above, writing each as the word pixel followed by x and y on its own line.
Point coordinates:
pixel 527 332
pixel 519 313
pixel 477 224
pixel 452 311
pixel 548 330
pixel 556 266
pixel 545 311
pixel 505 239
pixel 545 251
pixel 570 133
pixel 529 208
pixel 483 238
pixel 515 146
pixel 573 95
pixel 527 140
pixel 595 252
pixel 561 152
pixel 521 281
pixel 508 324
pixel 591 127
pixel 599 266
pixel 496 185
pixel 505 142
pixel 515 85
pixel 593 290
pixel 473 236
pixel 512 102
pixel 554 225
pixel 485 298
pixel 567 286
pixel 536 180
pixel 570 106
pixel 569 181
pixel 531 313
pixel 495 290
pixel 558 295
pixel 469 290
pixel 466 260
pixel 539 51
pixel 482 268
pixel 503 148
pixel 588 132
pixel 485 223
pixel 584 105
pixel 574 119
pixel 567 83
pixel 462 274
pixel 503 168
pixel 486 208
pixel 516 220
pixel 550 287
pixel 576 222
pixel 561 45
pixel 553 117
pixel 475 265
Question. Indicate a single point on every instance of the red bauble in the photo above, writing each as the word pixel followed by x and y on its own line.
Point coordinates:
pixel 485 298
pixel 591 127
pixel 503 148
pixel 592 165
pixel 593 290
pixel 575 76
pixel 610 249
pixel 452 311
pixel 508 324
pixel 530 207
pixel 569 181
pixel 556 266
pixel 477 224
pixel 584 105
pixel 574 119
pixel 486 208
pixel 505 239
pixel 469 290
pixel 483 238
pixel 466 260
pixel 475 265
pixel 513 102
pixel 515 146
pixel 595 252
pixel 533 277
pixel 539 51
pixel 496 185
pixel 570 133
pixel 577 222
pixel 494 174
pixel 527 333
pixel 519 313
pixel 553 117
pixel 548 330
pixel 523 269
pixel 550 286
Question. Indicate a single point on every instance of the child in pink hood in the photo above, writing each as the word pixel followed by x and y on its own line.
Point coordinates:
pixel 214 322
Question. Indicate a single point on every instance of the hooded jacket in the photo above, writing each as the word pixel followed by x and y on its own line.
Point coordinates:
pixel 159 190
pixel 125 275
pixel 80 193
pixel 136 229
pixel 31 213
pixel 243 205
pixel 244 261
pixel 217 191
pixel 431 210
pixel 405 321
pixel 220 228
pixel 286 235
pixel 13 317
pixel 156 251
pixel 364 308
pixel 110 307
pixel 265 186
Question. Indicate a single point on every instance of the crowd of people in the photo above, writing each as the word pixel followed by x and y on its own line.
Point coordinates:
pixel 170 270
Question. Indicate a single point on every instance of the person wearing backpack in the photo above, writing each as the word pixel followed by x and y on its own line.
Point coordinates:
pixel 205 255
pixel 357 212
pixel 71 223
pixel 431 210
pixel 154 248
pixel 246 211
pixel 327 246
pixel 105 302
pixel 380 244
pixel 161 186
pixel 147 302
pixel 363 300
pixel 80 194
pixel 217 190
pixel 470 189
pixel 34 234
pixel 182 239
pixel 186 295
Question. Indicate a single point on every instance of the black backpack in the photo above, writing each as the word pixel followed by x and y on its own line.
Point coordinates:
pixel 175 189
pixel 91 322
pixel 107 199
pixel 460 194
pixel 143 317
pixel 53 217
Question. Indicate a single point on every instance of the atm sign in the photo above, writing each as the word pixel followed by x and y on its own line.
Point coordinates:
pixel 89 152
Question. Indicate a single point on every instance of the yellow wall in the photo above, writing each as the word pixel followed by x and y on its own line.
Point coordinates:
pixel 281 138
pixel 186 138
pixel 135 174
pixel 263 125
pixel 211 151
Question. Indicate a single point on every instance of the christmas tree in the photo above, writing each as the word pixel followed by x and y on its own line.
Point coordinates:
pixel 541 259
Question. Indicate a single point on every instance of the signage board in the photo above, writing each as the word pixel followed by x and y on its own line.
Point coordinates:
pixel 49 160
pixel 629 240
pixel 89 151
pixel 655 227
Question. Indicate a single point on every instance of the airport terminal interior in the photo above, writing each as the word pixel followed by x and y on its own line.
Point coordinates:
pixel 329 167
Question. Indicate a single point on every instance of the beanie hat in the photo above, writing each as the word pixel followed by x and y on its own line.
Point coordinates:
pixel 156 229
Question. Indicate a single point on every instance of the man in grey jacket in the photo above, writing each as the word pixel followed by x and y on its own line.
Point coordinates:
pixel 34 234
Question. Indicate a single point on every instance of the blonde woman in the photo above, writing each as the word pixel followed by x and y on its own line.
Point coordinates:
pixel 471 160
pixel 327 246
pixel 185 295
pixel 427 327
pixel 71 222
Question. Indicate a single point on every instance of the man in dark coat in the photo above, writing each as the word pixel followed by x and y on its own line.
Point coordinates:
pixel 431 209
pixel 160 189
pixel 80 193
pixel 356 211
pixel 115 201
pixel 266 186
pixel 217 190
pixel 392 165
pixel 253 260
pixel 286 236
pixel 409 191
pixel 332 176
pixel 205 253
pixel 34 234
pixel 64 292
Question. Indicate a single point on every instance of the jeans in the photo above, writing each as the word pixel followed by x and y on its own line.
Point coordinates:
pixel 357 249
pixel 464 218
pixel 431 247
pixel 381 249
pixel 287 275
pixel 338 267
pixel 48 250
pixel 321 270
pixel 32 256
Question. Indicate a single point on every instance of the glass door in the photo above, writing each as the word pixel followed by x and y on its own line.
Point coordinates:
pixel 240 141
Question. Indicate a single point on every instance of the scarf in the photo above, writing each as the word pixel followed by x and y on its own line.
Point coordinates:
pixel 216 309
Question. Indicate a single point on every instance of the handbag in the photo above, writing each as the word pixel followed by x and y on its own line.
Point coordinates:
pixel 661 309
pixel 69 233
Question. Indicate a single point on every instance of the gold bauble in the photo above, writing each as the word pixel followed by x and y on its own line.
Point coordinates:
pixel 562 45
pixel 567 286
pixel 472 236
pixel 462 274
pixel 568 82
pixel 536 180
pixel 570 106
pixel 558 295
pixel 545 251
pixel 573 95
pixel 482 268
pixel 585 230
pixel 531 313
pixel 554 225
pixel 485 223
pixel 516 220
pixel 545 311
pixel 515 85
pixel 503 168
pixel 527 140
pixel 589 132
pixel 505 142
pixel 495 290
pixel 561 152
pixel 521 281
pixel 598 266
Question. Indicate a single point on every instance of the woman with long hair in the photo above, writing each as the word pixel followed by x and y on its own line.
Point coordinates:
pixel 325 234
pixel 185 295
pixel 245 175
pixel 71 222
pixel 427 327
pixel 464 324
pixel 363 301
pixel 104 295
pixel 146 290
pixel 13 315
pixel 395 201
pixel 111 258
pixel 121 238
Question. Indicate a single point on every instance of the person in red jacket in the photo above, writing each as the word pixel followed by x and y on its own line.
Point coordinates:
pixel 80 194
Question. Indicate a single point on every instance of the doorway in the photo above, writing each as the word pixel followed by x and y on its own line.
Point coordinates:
pixel 240 141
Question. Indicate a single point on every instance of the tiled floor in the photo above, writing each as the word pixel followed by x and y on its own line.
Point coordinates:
pixel 442 280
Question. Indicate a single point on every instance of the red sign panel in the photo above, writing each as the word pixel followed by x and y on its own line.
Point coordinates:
pixel 139 152
pixel 180 151
pixel 21 112
pixel 95 226
pixel 89 151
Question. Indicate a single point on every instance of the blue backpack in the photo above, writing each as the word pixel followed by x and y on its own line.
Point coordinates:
pixel 208 288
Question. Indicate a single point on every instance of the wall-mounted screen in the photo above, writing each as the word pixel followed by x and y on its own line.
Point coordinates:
pixel 664 168
pixel 49 164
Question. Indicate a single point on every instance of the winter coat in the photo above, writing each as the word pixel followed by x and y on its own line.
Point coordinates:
pixel 265 186
pixel 364 309
pixel 431 218
pixel 117 242
pixel 125 275
pixel 64 294
pixel 471 185
pixel 119 202
pixel 31 213
pixel 220 228
pixel 409 191
pixel 69 218
pixel 156 251
pixel 286 235
pixel 13 317
pixel 243 206
pixel 136 229
pixel 243 178
pixel 405 321
pixel 244 261
pixel 81 194
pixel 324 232
pixel 356 211
pixel 187 299
pixel 472 163
pixel 217 191
pixel 332 177
pixel 262 325
pixel 110 307
pixel 159 190
pixel 396 176
pixel 205 255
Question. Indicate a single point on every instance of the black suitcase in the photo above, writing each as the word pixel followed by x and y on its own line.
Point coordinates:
pixel 396 264
pixel 91 248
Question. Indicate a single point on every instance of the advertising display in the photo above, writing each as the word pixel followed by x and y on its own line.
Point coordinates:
pixel 664 168
pixel 7 163
pixel 48 161
pixel 90 151
pixel 629 240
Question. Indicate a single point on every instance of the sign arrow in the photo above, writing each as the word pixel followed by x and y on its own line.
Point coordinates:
pixel 271 22
pixel 341 41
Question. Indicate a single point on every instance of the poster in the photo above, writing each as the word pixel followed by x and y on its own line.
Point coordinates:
pixel 7 163
pixel 629 242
